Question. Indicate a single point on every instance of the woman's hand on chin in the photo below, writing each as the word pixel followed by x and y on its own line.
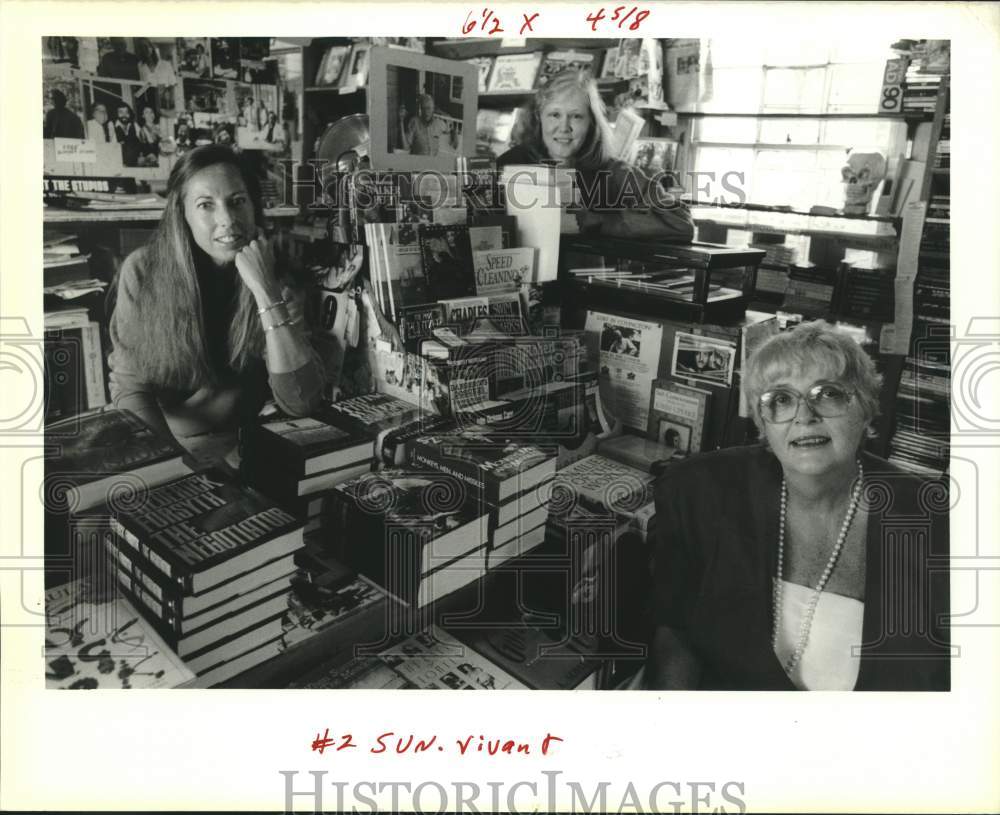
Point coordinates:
pixel 255 264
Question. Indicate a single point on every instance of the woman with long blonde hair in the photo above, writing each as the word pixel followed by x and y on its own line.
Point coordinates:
pixel 203 321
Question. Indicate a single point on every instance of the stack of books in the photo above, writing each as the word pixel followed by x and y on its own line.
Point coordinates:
pixel 296 460
pixel 920 90
pixel 209 564
pixel 511 480
pixel 599 486
pixel 416 533
pixel 923 423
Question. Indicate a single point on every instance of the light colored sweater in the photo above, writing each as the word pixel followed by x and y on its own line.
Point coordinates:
pixel 234 400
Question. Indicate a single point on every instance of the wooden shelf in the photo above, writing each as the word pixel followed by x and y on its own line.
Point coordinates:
pixel 75 216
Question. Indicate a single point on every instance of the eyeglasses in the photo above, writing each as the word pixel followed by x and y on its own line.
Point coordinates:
pixel 826 399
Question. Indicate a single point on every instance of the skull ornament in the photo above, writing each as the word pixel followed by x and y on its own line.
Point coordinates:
pixel 861 175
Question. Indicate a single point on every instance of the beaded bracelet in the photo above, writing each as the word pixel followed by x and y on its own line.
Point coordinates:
pixel 262 311
pixel 289 321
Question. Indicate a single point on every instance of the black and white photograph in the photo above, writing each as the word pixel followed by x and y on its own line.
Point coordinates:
pixel 194 57
pixel 621 340
pixel 702 359
pixel 422 108
pixel 269 441
pixel 676 435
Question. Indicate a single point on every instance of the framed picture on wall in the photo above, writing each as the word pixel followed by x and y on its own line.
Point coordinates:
pixel 422 110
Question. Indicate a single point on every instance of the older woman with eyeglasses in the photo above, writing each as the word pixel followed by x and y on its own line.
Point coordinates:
pixel 803 563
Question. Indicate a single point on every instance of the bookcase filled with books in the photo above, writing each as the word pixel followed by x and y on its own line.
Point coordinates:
pixel 921 431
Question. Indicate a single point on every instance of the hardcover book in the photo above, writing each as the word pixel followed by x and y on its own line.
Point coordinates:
pixel 371 413
pixel 98 449
pixel 290 491
pixel 172 598
pixel 489 466
pixel 447 259
pixel 96 639
pixel 226 669
pixel 305 446
pixel 204 639
pixel 202 529
pixel 415 533
pixel 160 602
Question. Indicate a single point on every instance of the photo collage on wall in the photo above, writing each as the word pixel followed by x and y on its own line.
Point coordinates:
pixel 157 97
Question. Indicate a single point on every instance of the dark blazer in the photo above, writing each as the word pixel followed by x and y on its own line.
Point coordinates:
pixel 716 554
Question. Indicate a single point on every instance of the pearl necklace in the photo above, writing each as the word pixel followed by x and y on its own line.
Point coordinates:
pixel 807 617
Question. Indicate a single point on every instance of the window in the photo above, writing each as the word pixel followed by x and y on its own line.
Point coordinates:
pixel 830 97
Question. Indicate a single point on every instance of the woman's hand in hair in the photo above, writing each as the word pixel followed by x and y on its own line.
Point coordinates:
pixel 255 264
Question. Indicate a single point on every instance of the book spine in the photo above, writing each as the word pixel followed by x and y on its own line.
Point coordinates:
pixel 482 486
pixel 389 555
pixel 64 386
pixel 167 592
pixel 166 569
pixel 166 622
pixel 93 364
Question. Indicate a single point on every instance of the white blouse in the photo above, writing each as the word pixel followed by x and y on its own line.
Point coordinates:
pixel 827 662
